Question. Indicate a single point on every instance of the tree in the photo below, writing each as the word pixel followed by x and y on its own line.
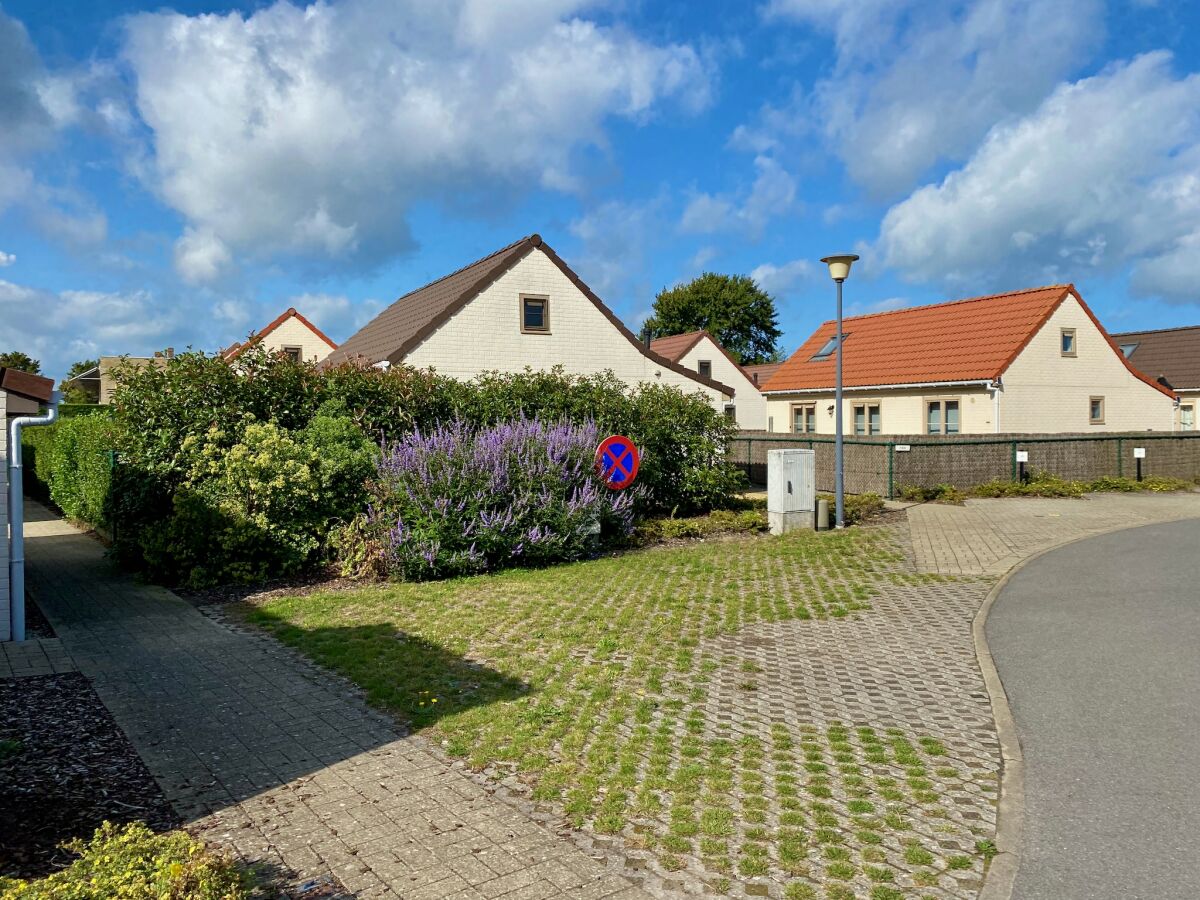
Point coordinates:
pixel 81 393
pixel 15 359
pixel 732 308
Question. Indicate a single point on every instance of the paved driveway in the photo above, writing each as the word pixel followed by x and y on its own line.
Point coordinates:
pixel 1098 645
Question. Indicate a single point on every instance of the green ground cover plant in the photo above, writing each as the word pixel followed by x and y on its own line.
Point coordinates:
pixel 592 684
pixel 133 862
pixel 1043 484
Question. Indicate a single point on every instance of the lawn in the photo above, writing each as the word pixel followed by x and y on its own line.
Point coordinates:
pixel 593 684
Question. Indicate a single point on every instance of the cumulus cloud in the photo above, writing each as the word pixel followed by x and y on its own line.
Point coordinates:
pixel 1105 173
pixel 783 278
pixel 39 323
pixel 772 194
pixel 917 83
pixel 310 131
pixel 7 259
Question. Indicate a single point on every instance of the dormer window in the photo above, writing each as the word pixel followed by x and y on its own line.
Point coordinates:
pixel 535 314
pixel 827 351
pixel 1127 350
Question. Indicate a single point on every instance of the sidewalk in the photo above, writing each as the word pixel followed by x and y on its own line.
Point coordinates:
pixel 989 537
pixel 282 763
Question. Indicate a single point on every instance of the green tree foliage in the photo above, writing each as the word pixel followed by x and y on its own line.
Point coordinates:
pixel 15 359
pixel 732 308
pixel 77 393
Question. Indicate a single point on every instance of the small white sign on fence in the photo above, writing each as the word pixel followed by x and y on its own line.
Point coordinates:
pixel 1022 456
pixel 902 448
pixel 1139 452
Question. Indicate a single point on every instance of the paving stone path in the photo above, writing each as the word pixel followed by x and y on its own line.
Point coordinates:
pixel 989 537
pixel 283 763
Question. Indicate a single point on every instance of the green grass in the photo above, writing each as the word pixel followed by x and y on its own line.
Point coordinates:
pixel 9 748
pixel 591 682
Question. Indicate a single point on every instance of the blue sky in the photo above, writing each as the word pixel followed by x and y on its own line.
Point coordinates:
pixel 180 175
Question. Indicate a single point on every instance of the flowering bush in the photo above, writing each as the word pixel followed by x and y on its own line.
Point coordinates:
pixel 461 499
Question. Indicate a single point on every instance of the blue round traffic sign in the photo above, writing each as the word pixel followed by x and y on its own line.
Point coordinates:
pixel 617 462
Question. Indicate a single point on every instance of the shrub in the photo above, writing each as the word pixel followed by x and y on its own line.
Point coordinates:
pixel 939 493
pixel 462 499
pixel 79 466
pixel 720 521
pixel 856 508
pixel 135 863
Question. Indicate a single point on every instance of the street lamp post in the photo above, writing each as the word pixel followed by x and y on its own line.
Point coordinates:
pixel 839 270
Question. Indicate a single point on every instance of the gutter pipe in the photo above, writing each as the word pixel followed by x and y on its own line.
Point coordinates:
pixel 16 512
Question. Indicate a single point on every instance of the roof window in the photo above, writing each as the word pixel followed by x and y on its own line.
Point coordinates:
pixel 1127 350
pixel 830 345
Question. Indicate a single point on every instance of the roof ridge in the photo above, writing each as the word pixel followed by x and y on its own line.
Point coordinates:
pixel 1117 334
pixel 535 239
pixel 942 303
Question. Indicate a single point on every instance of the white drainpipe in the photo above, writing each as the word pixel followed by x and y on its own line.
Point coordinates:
pixel 16 512
pixel 996 387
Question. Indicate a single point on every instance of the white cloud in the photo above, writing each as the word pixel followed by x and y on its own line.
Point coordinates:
pixel 783 278
pixel 7 259
pixel 772 194
pixel 38 323
pixel 919 82
pixel 310 131
pixel 617 239
pixel 1105 173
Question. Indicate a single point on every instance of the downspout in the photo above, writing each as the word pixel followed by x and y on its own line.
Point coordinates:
pixel 16 512
pixel 996 387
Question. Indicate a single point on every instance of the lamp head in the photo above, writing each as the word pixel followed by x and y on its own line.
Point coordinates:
pixel 839 265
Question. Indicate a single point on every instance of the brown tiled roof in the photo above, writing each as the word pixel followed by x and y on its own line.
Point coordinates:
pixel 289 313
pixel 1170 353
pixel 26 384
pixel 401 328
pixel 761 372
pixel 675 346
pixel 964 340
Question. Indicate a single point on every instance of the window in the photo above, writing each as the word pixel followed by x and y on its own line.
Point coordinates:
pixel 867 420
pixel 704 367
pixel 1068 342
pixel 535 314
pixel 1096 410
pixel 827 351
pixel 804 418
pixel 730 412
pixel 1127 350
pixel 1187 417
pixel 942 417
pixel 292 353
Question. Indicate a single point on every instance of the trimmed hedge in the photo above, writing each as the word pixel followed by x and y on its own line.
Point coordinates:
pixel 245 471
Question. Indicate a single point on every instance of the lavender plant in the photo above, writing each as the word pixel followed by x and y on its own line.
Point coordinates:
pixel 462 499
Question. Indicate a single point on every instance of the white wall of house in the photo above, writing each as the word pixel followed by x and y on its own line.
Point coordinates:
pixel 1047 392
pixel 294 333
pixel 750 406
pixel 486 334
pixel 5 595
pixel 901 410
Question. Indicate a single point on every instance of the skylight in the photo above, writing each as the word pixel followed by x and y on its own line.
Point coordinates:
pixel 1127 349
pixel 830 345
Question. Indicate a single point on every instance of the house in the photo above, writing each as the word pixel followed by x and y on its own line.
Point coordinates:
pixel 760 372
pixel 1028 362
pixel 700 352
pixel 21 394
pixel 106 370
pixel 1170 356
pixel 290 333
pixel 520 307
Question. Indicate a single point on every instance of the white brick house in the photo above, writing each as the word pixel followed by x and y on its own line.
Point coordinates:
pixel 700 352
pixel 290 333
pixel 520 307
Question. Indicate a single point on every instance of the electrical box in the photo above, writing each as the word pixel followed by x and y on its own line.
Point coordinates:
pixel 791 490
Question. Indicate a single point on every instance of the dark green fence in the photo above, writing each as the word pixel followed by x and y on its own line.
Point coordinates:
pixel 884 465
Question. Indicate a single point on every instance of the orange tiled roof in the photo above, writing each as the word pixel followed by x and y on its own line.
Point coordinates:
pixel 964 340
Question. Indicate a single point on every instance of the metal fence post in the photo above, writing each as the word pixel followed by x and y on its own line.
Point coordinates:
pixel 891 450
pixel 1120 457
pixel 1013 476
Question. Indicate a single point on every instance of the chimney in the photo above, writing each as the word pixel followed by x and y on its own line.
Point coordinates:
pixel 170 353
pixel 158 354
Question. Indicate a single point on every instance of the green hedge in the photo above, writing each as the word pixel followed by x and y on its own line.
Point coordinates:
pixel 70 463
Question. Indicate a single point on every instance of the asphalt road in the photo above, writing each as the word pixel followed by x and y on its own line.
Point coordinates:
pixel 1098 646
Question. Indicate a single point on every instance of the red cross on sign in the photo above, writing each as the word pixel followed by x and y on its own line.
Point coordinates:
pixel 617 462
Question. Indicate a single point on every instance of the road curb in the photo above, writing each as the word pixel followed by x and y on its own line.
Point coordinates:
pixel 1001 874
